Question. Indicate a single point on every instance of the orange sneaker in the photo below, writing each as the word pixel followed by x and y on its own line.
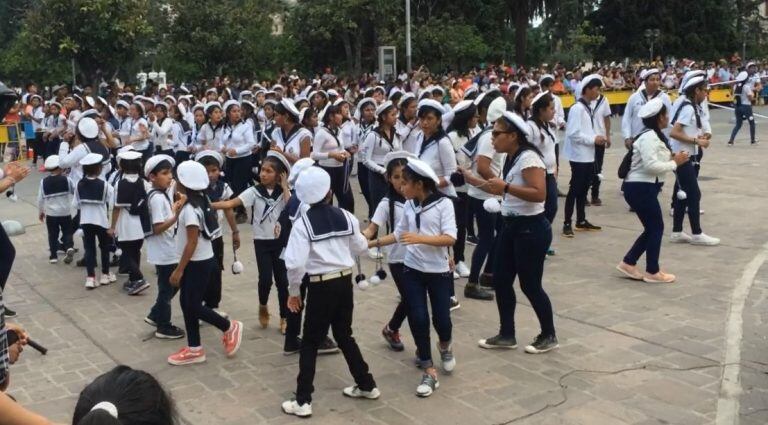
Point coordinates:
pixel 232 338
pixel 186 356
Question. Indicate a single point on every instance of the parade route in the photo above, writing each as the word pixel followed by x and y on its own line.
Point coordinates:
pixel 692 352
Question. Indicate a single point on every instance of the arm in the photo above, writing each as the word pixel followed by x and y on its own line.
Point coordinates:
pixel 143 134
pixel 317 147
pixel 12 413
pixel 71 159
pixel 162 226
pixel 535 189
pixel 371 230
pixel 305 146
pixel 484 167
pixel 228 204
pixel 447 158
pixel 115 216
pixel 650 161
pixel 370 144
pixel 296 254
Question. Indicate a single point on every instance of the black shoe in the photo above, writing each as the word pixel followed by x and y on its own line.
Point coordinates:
pixel 472 240
pixel 115 261
pixel 542 344
pixel 585 225
pixel 169 332
pixel 567 230
pixel 80 262
pixel 9 313
pixel 477 292
pixel 328 347
pixel 291 346
pixel 730 143
pixel 498 341
pixel 122 269
pixel 597 202
pixel 137 287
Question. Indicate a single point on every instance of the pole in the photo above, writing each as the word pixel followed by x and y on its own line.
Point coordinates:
pixel 74 80
pixel 651 51
pixel 408 65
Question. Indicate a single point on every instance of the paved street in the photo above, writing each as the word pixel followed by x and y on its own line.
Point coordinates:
pixel 631 353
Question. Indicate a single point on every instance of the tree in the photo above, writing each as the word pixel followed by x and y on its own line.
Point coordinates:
pixel 523 11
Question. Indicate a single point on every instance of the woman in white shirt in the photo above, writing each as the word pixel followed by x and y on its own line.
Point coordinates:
pixel 328 150
pixel 377 144
pixel 544 137
pixel 237 143
pixel 209 136
pixel 289 137
pixel 138 135
pixel 180 133
pixel 162 130
pixel 526 234
pixel 652 159
pixel 366 116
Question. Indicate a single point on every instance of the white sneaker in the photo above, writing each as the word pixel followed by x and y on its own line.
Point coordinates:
pixel 104 280
pixel 671 212
pixel 456 276
pixel 112 278
pixel 703 239
pixel 355 392
pixel 680 237
pixel 291 407
pixel 90 283
pixel 375 254
pixel 53 260
pixel 462 269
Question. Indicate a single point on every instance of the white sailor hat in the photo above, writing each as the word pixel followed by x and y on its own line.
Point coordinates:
pixel 692 82
pixel 651 108
pixel 588 79
pixel 211 90
pixel 427 104
pixel 211 153
pixel 129 95
pixel 312 185
pixel 154 161
pixel 102 100
pixel 471 89
pixel 169 98
pixel 271 102
pixel 88 128
pixel 496 109
pixel 210 105
pixel 365 101
pixel 162 104
pixel 52 162
pixel 339 101
pixel 518 93
pixel 644 74
pixel 122 103
pixel 192 175
pixel 405 98
pixel 140 106
pixel 129 155
pixel 462 105
pixel 124 149
pixel 89 113
pixel 298 167
pixel 519 122
pixel 89 100
pixel 91 159
pixel 546 77
pixel 384 107
pixel 750 64
pixel 539 96
pixel 333 92
pixel 423 169
pixel 245 93
pixel 112 110
pixel 395 91
pixel 249 103
pixel 277 87
pixel 182 109
pixel 230 103
pixel 397 155
pixel 743 76
pixel 55 103
pixel 291 108
pixel 688 75
pixel 280 157
pixel 381 89
pixel 480 98
pixel 199 106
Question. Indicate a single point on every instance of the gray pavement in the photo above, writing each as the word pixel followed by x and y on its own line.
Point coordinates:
pixel 631 353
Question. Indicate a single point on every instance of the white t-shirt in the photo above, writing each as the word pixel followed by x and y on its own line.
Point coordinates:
pixel 440 156
pixel 191 216
pixel 545 140
pixel 161 249
pixel 265 212
pixel 687 118
pixel 485 148
pixel 511 205
pixel 136 125
pixel 600 112
pixel 396 252
pixel 128 227
pixel 438 218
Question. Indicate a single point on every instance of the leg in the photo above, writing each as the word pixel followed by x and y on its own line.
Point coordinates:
pixel 504 274
pixel 486 223
pixel 281 282
pixel 362 177
pixel 341 325
pixel 66 232
pixel 105 241
pixel 532 240
pixel 213 290
pixel 550 204
pixel 161 311
pixel 739 120
pixel 401 311
pixel 751 122
pixel 598 169
pixel 52 225
pixel 202 271
pixel 460 212
pixel 89 244
pixel 570 198
pixel 634 197
pixel 377 186
pixel 686 177
pixel 264 263
pixel 321 304
pixel 585 171
pixel 438 288
pixel 415 283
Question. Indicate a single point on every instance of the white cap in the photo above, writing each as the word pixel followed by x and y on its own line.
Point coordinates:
pixel 397 155
pixel 249 103
pixel 692 82
pixel 750 64
pixel 122 103
pixel 129 155
pixel 154 161
pixel 88 128
pixel 298 167
pixel 539 96
pixel 280 157
pixel 588 79
pixel 91 159
pixel 496 109
pixel 431 104
pixel 125 149
pixel 52 162
pixel 423 169
pixel 546 77
pixel 213 154
pixel 647 73
pixel 383 107
pixel 303 114
pixel 211 105
pixel 651 108
pixel 464 104
pixel 89 100
pixel 291 108
pixel 688 75
pixel 471 89
pixel 230 103
pixel 518 122
pixel 312 185
pixel 193 175
pixel 404 98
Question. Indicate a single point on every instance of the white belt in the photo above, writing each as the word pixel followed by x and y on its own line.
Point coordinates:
pixel 329 276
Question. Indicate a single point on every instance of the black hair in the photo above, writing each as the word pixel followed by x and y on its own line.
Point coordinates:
pixel 282 110
pixel 395 97
pixel 690 92
pixel 522 140
pixel 487 99
pixel 412 176
pixel 208 112
pixel 165 109
pixel 131 166
pixel 161 166
pixel 276 164
pixel 328 112
pixel 471 96
pixel 517 106
pixel 92 169
pixel 545 83
pixel 392 194
pixel 307 115
pixel 460 122
pixel 652 123
pixel 208 161
pixel 541 104
pixel 592 83
pixel 137 395
pixel 140 107
pixel 384 112
pixel 424 111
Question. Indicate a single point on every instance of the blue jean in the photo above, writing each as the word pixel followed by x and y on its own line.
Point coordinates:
pixel 550 204
pixel 687 180
pixel 418 285
pixel 644 201
pixel 401 311
pixel 486 226
pixel 743 112
pixel 161 311
pixel 522 247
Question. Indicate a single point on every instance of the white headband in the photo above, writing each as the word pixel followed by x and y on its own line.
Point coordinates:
pixel 107 406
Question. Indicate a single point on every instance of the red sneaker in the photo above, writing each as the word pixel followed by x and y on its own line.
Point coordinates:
pixel 232 338
pixel 186 356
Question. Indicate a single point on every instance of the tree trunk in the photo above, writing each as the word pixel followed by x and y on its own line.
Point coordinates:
pixel 348 51
pixel 521 31
pixel 358 51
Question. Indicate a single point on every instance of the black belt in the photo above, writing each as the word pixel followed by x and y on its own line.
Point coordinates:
pixel 519 218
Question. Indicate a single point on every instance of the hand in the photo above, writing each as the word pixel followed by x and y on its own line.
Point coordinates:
pixel 41 217
pixel 178 205
pixel 294 304
pixel 236 241
pixel 607 143
pixel 175 279
pixel 23 335
pixel 353 149
pixel 707 136
pixel 409 238
pixel 496 186
pixel 628 142
pixel 680 158
pixel 704 143
pixel 276 148
pixel 16 171
pixel 451 264
pixel 278 229
pixel 600 140
pixel 111 232
pixel 232 152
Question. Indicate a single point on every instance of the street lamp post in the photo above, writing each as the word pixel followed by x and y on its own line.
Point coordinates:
pixel 408 35
pixel 652 35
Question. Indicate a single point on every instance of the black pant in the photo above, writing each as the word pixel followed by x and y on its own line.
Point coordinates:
pixel 212 297
pixel 59 226
pixel 598 169
pixel 644 200
pixel 340 187
pixel 362 177
pixel 330 303
pixel 460 206
pixel 486 229
pixel 131 258
pixel 687 180
pixel 550 204
pixel 52 147
pixel 378 187
pixel 269 264
pixel 293 320
pixel 182 156
pixel 401 311
pixel 239 174
pixel 161 311
pixel 743 112
pixel 91 232
pixel 581 176
pixel 523 244
pixel 7 255
pixel 194 282
pixel 37 146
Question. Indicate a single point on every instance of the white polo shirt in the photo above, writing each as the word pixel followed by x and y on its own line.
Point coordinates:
pixel 437 218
